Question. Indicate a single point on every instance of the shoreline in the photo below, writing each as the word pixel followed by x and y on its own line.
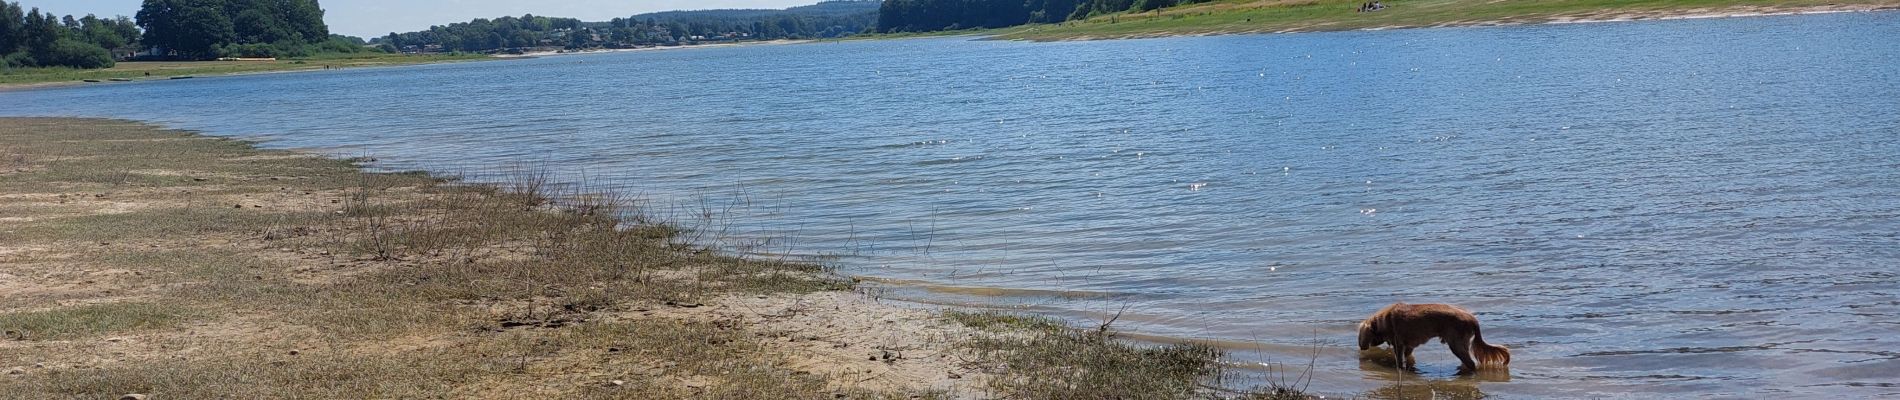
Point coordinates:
pixel 1067 32
pixel 164 75
pixel 7 87
pixel 1738 12
pixel 781 42
pixel 1721 15
pixel 137 259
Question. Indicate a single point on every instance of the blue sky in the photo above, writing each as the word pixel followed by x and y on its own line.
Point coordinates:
pixel 379 17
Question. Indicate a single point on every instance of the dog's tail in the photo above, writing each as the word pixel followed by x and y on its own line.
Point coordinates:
pixel 1487 353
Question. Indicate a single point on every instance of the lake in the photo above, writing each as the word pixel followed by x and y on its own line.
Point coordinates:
pixel 1706 208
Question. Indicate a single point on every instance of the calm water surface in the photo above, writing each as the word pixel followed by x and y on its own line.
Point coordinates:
pixel 1703 208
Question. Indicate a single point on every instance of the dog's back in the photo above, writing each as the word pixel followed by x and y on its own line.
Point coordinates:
pixel 1423 322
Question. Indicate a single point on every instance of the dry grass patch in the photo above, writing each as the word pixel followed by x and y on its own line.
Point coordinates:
pixel 1047 359
pixel 381 285
pixel 91 320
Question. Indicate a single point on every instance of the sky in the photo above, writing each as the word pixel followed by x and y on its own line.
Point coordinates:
pixel 371 18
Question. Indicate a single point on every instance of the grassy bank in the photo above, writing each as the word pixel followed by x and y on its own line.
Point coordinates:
pixel 1249 16
pixel 141 260
pixel 140 70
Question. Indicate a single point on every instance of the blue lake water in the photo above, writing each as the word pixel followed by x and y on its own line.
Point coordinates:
pixel 1703 208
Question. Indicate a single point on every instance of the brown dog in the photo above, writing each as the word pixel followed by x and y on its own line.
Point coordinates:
pixel 1406 326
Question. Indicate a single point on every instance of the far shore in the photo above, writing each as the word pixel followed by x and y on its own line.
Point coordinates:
pixel 1210 19
pixel 655 48
pixel 144 71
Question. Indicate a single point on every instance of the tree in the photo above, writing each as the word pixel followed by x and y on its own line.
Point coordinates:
pixel 41 32
pixel 825 19
pixel 578 39
pixel 1150 5
pixel 305 17
pixel 35 39
pixel 1050 11
pixel 100 32
pixel 259 26
pixel 932 15
pixel 111 34
pixel 12 28
pixel 206 28
pixel 76 54
pixel 201 28
pixel 194 28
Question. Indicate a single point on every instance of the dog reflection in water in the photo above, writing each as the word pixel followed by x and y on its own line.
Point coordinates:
pixel 1461 388
pixel 1407 326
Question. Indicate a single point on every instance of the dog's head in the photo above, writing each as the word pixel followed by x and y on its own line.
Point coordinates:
pixel 1370 335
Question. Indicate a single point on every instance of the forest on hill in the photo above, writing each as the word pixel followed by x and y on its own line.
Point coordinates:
pixel 935 15
pixel 829 19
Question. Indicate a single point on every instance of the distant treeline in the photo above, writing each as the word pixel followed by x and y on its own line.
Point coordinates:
pixel 198 29
pixel 823 20
pixel 936 15
pixel 29 38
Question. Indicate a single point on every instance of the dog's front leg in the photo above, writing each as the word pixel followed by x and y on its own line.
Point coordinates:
pixel 1400 354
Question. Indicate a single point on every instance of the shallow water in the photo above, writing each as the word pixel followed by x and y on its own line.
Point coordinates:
pixel 1706 207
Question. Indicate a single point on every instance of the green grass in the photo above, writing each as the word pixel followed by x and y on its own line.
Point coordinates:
pixel 996 321
pixel 143 70
pixel 1045 359
pixel 1042 357
pixel 1244 16
pixel 205 219
pixel 89 320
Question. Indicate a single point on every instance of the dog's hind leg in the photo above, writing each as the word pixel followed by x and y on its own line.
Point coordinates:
pixel 1462 349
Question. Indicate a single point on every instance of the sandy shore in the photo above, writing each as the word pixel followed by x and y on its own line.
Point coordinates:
pixel 656 48
pixel 1704 13
pixel 313 68
pixel 54 260
pixel 1060 33
pixel 135 259
pixel 152 71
